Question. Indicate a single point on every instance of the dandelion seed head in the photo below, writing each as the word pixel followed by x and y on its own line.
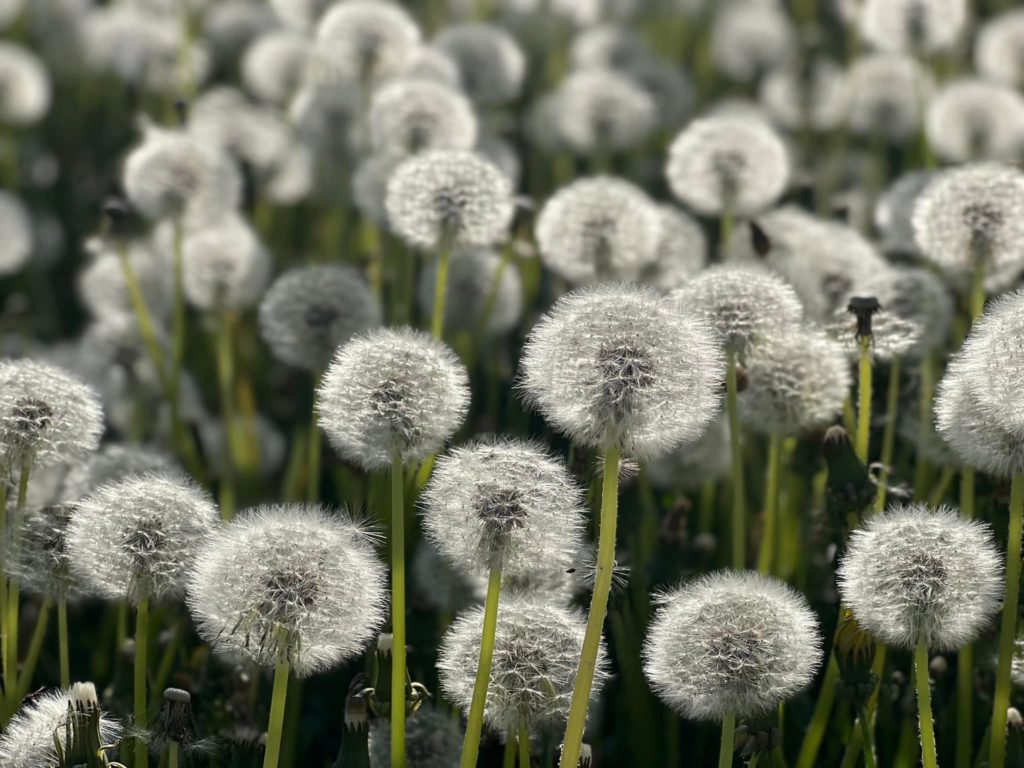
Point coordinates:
pixel 25 89
pixel 886 90
pixel 913 574
pixel 894 211
pixel 731 643
pixel 606 46
pixel 897 328
pixel 103 287
pixel 748 39
pixel 257 136
pixel 600 109
pixel 472 277
pixel 974 119
pixel 914 26
pixel 818 97
pixel 492 66
pixel 689 467
pixel 727 163
pixel 681 252
pixel 392 391
pixel 112 462
pixel 415 115
pixel 42 563
pixel 365 41
pixel 18 240
pixel 291 180
pixel 273 64
pixel 289 582
pixel 999 48
pixel 226 266
pixel 433 739
pixel 620 365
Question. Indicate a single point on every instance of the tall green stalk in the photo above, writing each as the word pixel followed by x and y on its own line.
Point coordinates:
pixel 397 612
pixel 863 399
pixel 475 721
pixel 172 754
pixel 892 403
pixel 177 320
pixel 226 380
pixel 141 667
pixel 766 556
pixel 598 610
pixel 739 499
pixel 728 743
pixel 815 733
pixel 440 291
pixel 62 634
pixel 929 758
pixel 924 424
pixel 35 648
pixel 524 747
pixel 4 669
pixel 14 591
pixel 965 656
pixel 275 726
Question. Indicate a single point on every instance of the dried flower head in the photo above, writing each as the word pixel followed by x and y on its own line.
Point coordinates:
pixel 682 249
pixel 273 64
pixel 887 91
pixel 433 739
pixel 916 575
pixel 311 311
pixel 620 365
pixel 491 64
pixel 225 264
pixel 25 90
pixel 601 228
pixel 414 115
pixel 446 197
pixel 41 562
pixel 974 119
pixel 894 211
pixel 731 643
pixel 536 651
pixel 747 39
pixel 478 280
pixel 999 48
pixel 365 41
pixel 175 722
pixel 600 109
pixel 815 95
pixel 47 416
pixel 112 462
pixel 392 392
pixel 727 163
pixel 916 26
pixel 689 467
pixel 104 289
pixel 16 224
pixel 136 538
pixel 289 582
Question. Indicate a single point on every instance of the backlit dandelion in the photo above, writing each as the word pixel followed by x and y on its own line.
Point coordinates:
pixel 491 65
pixel 409 116
pixel 364 41
pixel 974 119
pixel 25 89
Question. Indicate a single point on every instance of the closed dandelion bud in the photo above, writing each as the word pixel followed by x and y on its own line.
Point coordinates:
pixel 226 266
pixel 433 739
pixel 894 212
pixel 974 119
pixel 620 365
pixel 472 289
pixel 289 582
pixel 410 116
pixel 47 416
pixel 727 164
pixel 599 109
pixel 392 393
pixel 682 250
pixel 104 290
pixel 491 64
pixel 915 575
pixel 311 311
pixel 365 41
pixel 815 97
pixel 731 643
pixel 70 717
pixel 41 563
pixel 25 89
pixel 595 229
pixel 689 467
pixel 536 651
pixel 999 48
pixel 886 94
pixel 16 224
pixel 112 462
pixel 916 26
pixel 136 538
pixel 748 39
pixel 273 64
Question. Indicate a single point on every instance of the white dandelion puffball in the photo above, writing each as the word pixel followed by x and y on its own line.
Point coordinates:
pixel 136 538
pixel 300 15
pixel 18 239
pixel 25 89
pixel 28 740
pixel 225 265
pixel 446 197
pixel 41 561
pixel 887 94
pixel 727 164
pixel 47 416
pixel 273 65
pixel 748 39
pixel 392 392
pixel 289 582
pixel 596 229
pixel 433 739
pixel 731 643
pixel 915 575
pixel 897 326
pixel 103 286
pixel 536 651
pixel 364 41
pixel 915 26
pixel 974 119
pixel 255 135
pixel 972 216
pixel 999 48
pixel 491 64
pixel 473 283
pixel 689 467
pixel 503 504
pixel 894 211
pixel 311 311
pixel 619 365
pixel 682 249
pixel 600 109
pixel 606 46
pixel 409 116
pixel 818 98
pixel 112 462
pixel 745 305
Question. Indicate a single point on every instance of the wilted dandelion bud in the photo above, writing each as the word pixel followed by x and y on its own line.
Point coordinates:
pixel 392 393
pixel 816 96
pixel 471 287
pixel 42 563
pixel 916 26
pixel 112 462
pixel 894 211
pixel 915 575
pixel 410 116
pixel 887 92
pixel 727 164
pixel 682 249
pixel 47 416
pixel 25 90
pixel 600 228
pixel 16 224
pixel 620 365
pixel 69 717
pixel 999 48
pixel 731 643
pixel 599 109
pixel 442 198
pixel 974 119
pixel 491 64
pixel 225 264
pixel 536 651
pixel 104 290
pixel 289 582
pixel 311 311
pixel 365 41
pixel 748 39
pixel 273 64
pixel 745 305
pixel 689 467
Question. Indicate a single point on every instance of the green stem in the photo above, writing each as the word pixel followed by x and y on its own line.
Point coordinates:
pixel 977 296
pixel 315 449
pixel 177 320
pixel 766 557
pixel 14 589
pixel 819 719
pixel 141 664
pixel 929 759
pixel 866 738
pixel 727 747
pixel 739 501
pixel 509 755
pixel 172 754
pixel 964 705
pixel 35 648
pixel 62 633
pixel 440 291
pixel 226 379
pixel 1008 628
pixel 475 722
pixel 938 493
pixel 864 400
pixel 892 402
pixel 725 227
pixel 524 747
pixel 275 726
pixel 397 611
pixel 4 669
pixel 598 610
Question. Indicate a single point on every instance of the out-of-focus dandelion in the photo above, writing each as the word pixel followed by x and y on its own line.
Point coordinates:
pixel 747 39
pixel 364 42
pixel 415 115
pixel 999 48
pixel 601 111
pixel 974 119
pixel 433 740
pixel 491 64
pixel 894 212
pixel 815 96
pixel 18 236
pixel 25 88
pixel 273 64
pixel 913 26
pixel 888 92
pixel 682 250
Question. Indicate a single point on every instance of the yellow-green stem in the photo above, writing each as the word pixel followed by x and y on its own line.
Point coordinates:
pixel 863 399
pixel 727 746
pixel 440 291
pixel 508 758
pixel 141 668
pixel 62 635
pixel 929 759
pixel 598 610
pixel 275 726
pixel 1008 628
pixel 475 721
pixel 725 229
pixel 3 587
pixel 868 742
pixel 819 718
pixel 397 612
pixel 172 754
pixel 35 648
pixel 739 501
pixel 524 747
pixel 766 555
pixel 977 297
pixel 892 402
pixel 14 589
pixel 964 705
pixel 226 379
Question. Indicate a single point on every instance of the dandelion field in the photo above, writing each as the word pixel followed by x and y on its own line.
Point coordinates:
pixel 624 383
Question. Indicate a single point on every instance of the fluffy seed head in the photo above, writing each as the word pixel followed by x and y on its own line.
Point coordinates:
pixel 257 136
pixel 311 311
pixel 446 197
pixel 104 289
pixel 110 463
pixel 913 574
pixel 749 38
pixel 620 365
pixel 25 90
pixel 596 229
pixel 136 538
pixel 536 651
pixel 471 285
pixel 414 115
pixel 897 327
pixel 727 163
pixel 599 109
pixel 42 562
pixel 681 252
pixel 273 64
pixel 47 416
pixel 999 48
pixel 974 119
pixel 915 26
pixel 16 224
pixel 365 41
pixel 817 96
pixel 886 93
pixel 392 391
pixel 289 582
pixel 491 64
pixel 226 266
pixel 433 739
pixel 731 643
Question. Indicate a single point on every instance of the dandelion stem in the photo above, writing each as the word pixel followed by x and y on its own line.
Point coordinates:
pixel 508 757
pixel 524 747
pixel 977 297
pixel 35 648
pixel 868 743
pixel 864 399
pixel 929 758
pixel 1008 628
pixel 819 719
pixel 62 635
pixel 172 754
pixel 177 321
pixel 275 726
pixel 964 705
pixel 739 501
pixel 474 724
pixel 397 611
pixel 141 664
pixel 725 751
pixel 766 557
pixel 14 590
pixel 440 291
pixel 892 402
pixel 598 610
pixel 8 682
pixel 226 378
